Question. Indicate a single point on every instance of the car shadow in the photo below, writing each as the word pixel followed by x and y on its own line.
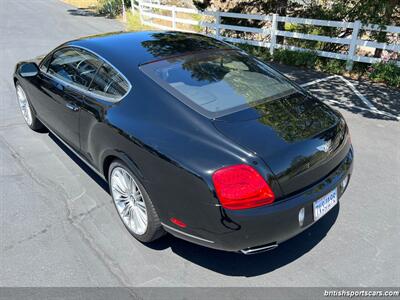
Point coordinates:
pixel 97 178
pixel 237 264
pixel 230 263
pixel 83 12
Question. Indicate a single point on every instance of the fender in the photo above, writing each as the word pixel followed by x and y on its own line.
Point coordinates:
pixel 27 86
pixel 114 153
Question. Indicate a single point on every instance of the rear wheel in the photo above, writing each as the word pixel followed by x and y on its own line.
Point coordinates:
pixel 133 204
pixel 26 109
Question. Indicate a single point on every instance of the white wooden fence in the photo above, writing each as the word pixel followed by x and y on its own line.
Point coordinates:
pixel 267 36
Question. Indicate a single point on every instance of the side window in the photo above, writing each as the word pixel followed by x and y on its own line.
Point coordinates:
pixel 45 63
pixel 74 66
pixel 109 83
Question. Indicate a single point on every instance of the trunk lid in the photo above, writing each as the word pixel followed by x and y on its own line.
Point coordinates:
pixel 301 139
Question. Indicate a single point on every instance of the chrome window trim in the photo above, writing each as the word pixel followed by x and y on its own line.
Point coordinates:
pixel 86 91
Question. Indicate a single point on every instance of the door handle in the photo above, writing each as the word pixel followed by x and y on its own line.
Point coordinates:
pixel 72 106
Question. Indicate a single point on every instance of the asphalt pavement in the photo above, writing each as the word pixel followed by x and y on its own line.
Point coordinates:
pixel 59 227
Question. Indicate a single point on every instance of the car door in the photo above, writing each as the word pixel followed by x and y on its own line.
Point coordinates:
pixel 68 76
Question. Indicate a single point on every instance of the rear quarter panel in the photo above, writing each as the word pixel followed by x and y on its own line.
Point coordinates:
pixel 172 149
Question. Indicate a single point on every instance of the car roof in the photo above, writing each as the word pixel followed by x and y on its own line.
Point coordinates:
pixel 130 49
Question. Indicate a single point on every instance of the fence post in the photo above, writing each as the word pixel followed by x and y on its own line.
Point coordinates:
pixel 353 45
pixel 217 23
pixel 132 6
pixel 174 17
pixel 274 28
pixel 123 11
pixel 140 11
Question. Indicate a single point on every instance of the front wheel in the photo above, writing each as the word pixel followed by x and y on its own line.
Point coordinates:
pixel 133 204
pixel 26 109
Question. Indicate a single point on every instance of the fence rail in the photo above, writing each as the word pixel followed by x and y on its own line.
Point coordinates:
pixel 267 35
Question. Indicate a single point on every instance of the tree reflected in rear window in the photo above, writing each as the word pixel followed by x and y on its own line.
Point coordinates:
pixel 217 83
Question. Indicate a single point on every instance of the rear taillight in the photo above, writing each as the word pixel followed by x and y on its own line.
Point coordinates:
pixel 241 187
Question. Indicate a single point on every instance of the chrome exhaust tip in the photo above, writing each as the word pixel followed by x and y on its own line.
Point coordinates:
pixel 259 249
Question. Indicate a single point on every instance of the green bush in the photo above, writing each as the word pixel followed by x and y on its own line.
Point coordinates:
pixel 333 66
pixel 386 72
pixel 295 58
pixel 360 68
pixel 111 8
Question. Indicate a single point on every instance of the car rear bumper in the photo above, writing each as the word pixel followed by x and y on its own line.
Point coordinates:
pixel 264 228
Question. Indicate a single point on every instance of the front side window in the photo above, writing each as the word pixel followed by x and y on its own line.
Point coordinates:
pixel 109 83
pixel 74 66
pixel 44 64
pixel 217 83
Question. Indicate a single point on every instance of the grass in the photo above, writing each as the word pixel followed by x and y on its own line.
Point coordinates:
pixel 133 22
pixel 82 3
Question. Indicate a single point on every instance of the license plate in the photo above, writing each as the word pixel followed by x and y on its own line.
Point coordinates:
pixel 325 204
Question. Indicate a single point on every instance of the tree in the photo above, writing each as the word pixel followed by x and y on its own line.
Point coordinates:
pixel 380 12
pixel 280 7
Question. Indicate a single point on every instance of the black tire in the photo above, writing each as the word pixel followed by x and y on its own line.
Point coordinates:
pixel 35 125
pixel 154 228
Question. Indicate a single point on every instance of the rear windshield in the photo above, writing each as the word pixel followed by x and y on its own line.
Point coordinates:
pixel 217 83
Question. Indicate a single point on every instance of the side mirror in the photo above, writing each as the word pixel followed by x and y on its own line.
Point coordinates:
pixel 29 69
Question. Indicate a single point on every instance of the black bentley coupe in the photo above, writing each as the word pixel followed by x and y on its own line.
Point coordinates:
pixel 194 136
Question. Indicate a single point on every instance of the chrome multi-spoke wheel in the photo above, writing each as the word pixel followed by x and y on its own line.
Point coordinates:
pixel 129 200
pixel 24 105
